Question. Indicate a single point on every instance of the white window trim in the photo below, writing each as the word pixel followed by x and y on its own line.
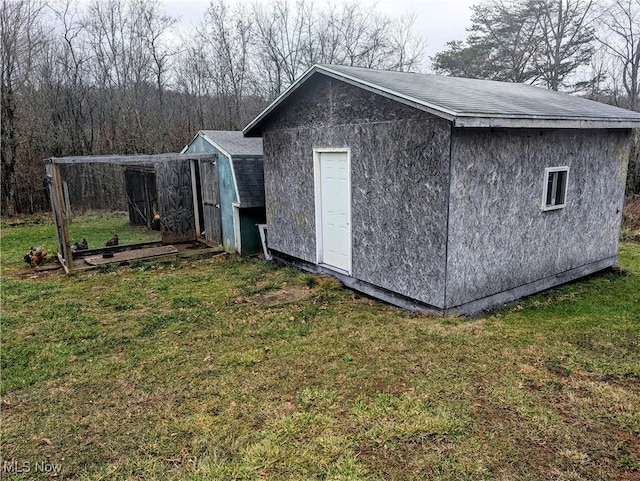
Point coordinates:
pixel 318 206
pixel 547 171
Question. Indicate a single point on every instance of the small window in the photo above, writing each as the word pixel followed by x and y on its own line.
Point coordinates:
pixel 555 187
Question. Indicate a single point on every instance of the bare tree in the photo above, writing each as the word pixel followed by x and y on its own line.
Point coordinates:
pixel 67 80
pixel 22 40
pixel 362 35
pixel 567 39
pixel 226 36
pixel 620 36
pixel 281 33
pixel 104 76
pixel 130 51
pixel 154 30
pixel 290 39
pixel 406 50
pixel 194 84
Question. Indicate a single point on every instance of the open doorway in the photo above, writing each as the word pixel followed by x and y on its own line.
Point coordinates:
pixel 206 196
pixel 197 198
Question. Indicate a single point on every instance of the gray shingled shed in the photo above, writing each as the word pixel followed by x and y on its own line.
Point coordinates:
pixel 441 193
pixel 228 192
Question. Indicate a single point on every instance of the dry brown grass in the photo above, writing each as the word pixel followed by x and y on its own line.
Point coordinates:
pixel 631 213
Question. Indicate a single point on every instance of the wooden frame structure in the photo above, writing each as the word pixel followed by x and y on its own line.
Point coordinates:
pixel 173 171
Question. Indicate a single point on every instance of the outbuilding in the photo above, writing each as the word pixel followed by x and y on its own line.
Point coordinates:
pixel 439 193
pixel 228 192
pixel 166 189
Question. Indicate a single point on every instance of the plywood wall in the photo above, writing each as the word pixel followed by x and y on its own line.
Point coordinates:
pixel 399 159
pixel 175 201
pixel 499 238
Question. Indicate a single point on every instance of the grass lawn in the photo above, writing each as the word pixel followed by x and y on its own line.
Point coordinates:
pixel 228 368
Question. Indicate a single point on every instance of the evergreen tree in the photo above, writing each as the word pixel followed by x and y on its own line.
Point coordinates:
pixel 535 41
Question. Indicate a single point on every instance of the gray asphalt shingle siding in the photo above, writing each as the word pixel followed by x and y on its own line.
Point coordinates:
pixel 250 181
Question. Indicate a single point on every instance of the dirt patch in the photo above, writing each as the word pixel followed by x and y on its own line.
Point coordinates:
pixel 31 273
pixel 283 295
pixel 631 212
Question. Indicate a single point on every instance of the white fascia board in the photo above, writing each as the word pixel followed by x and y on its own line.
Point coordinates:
pixel 228 156
pixel 279 100
pixel 543 123
pixel 419 104
pixel 214 144
pixel 187 146
pixel 459 119
pixel 235 182
pixel 436 110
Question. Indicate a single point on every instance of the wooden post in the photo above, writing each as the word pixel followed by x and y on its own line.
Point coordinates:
pixel 54 206
pixel 67 202
pixel 148 209
pixel 60 214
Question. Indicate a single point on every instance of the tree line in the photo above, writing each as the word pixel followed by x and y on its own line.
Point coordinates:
pixel 588 47
pixel 119 76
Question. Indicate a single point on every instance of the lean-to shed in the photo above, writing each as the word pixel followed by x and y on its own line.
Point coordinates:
pixel 169 175
pixel 440 193
pixel 228 192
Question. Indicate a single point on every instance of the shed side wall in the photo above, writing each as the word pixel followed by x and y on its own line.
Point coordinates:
pixel 227 190
pixel 250 178
pixel 175 201
pixel 399 169
pixel 499 238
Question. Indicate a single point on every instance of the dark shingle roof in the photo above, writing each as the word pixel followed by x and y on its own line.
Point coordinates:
pixel 245 157
pixel 233 142
pixel 474 103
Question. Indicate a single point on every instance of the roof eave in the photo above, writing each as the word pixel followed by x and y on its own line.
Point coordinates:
pixel 544 123
pixel 214 144
pixel 436 110
pixel 459 119
pixel 186 147
pixel 249 130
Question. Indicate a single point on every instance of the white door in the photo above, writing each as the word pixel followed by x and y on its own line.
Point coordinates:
pixel 333 209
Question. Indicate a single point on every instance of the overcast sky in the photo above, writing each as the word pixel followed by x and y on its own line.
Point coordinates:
pixel 438 20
